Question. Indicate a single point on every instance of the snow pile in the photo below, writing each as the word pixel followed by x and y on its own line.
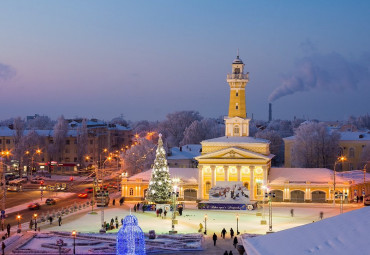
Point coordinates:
pixel 344 234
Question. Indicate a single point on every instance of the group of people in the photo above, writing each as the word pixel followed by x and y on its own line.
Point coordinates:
pixel 223 235
pixel 112 224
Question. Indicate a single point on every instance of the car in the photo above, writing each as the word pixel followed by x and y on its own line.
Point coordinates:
pixel 367 200
pixel 82 195
pixel 89 190
pixel 50 201
pixel 37 180
pixel 113 185
pixel 34 206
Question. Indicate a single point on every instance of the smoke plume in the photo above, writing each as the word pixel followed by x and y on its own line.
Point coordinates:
pixel 6 72
pixel 330 72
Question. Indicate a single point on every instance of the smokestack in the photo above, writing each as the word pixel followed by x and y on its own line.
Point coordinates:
pixel 270 112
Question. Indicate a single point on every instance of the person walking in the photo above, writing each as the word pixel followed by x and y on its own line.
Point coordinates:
pixel 116 222
pixel 200 228
pixel 60 221
pixel 121 201
pixel 138 206
pixel 8 229
pixel 135 208
pixel 230 252
pixel 321 215
pixel 223 233
pixel 180 210
pixel 165 213
pixel 31 224
pixel 226 253
pixel 214 238
pixel 235 242
pixel 114 202
pixel 51 220
pixel 292 212
pixel 231 233
pixel 3 246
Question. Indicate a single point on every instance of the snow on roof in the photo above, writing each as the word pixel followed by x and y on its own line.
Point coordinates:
pixel 119 127
pixel 235 139
pixel 354 136
pixel 188 175
pixel 189 151
pixel 343 234
pixel 6 131
pixel 279 176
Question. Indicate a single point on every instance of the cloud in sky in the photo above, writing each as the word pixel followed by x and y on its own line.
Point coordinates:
pixel 327 72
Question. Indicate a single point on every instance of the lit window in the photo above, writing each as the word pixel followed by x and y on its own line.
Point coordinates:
pixel 236 130
pixel 131 191
pixel 236 107
pixel 246 185
pixel 208 187
pixel 259 187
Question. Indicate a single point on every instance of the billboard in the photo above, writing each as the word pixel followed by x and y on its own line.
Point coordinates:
pixel 231 192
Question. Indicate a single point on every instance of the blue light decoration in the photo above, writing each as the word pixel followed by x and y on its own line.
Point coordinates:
pixel 130 238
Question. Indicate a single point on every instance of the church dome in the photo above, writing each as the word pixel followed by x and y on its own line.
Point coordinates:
pixel 237 60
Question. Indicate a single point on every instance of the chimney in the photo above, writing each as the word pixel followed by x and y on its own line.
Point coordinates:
pixel 270 112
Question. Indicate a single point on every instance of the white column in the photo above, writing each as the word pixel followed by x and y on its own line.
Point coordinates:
pixel 264 168
pixel 251 191
pixel 213 179
pixel 238 169
pixel 200 182
pixel 226 170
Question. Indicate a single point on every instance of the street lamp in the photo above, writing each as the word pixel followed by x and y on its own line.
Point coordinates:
pixel 339 160
pixel 74 233
pixel 19 223
pixel 270 195
pixel 35 217
pixel 38 151
pixel 237 224
pixel 103 198
pixel 205 224
pixel 42 188
pixel 364 188
pixel 263 221
pixel 174 198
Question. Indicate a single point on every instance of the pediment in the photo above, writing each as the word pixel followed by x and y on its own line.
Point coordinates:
pixel 234 153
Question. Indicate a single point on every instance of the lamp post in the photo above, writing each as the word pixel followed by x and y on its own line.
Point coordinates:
pixel 38 151
pixel 340 159
pixel 35 218
pixel 42 188
pixel 263 221
pixel 174 198
pixel 103 197
pixel 74 233
pixel 237 224
pixel 205 224
pixel 270 195
pixel 364 189
pixel 19 223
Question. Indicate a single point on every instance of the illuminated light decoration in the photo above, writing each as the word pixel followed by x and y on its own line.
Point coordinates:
pixel 159 182
pixel 220 169
pixel 232 170
pixel 208 170
pixel 246 170
pixel 130 238
pixel 259 170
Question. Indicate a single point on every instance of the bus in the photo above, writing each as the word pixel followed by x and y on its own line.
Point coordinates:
pixel 15 185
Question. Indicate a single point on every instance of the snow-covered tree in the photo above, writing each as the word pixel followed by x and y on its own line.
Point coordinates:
pixel 365 157
pixel 139 157
pixel 41 123
pixel 275 143
pixel 315 146
pixel 202 130
pixel 82 140
pixel 18 127
pixel 160 184
pixel 120 121
pixel 60 133
pixel 175 124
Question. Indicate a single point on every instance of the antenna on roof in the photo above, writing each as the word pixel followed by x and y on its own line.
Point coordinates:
pixel 237 56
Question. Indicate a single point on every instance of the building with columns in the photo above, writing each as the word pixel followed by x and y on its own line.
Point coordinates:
pixel 235 156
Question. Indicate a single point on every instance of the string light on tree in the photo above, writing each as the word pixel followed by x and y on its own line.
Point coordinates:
pixel 160 183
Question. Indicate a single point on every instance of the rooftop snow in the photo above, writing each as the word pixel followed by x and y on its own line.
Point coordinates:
pixel 341 235
pixel 189 151
pixel 235 139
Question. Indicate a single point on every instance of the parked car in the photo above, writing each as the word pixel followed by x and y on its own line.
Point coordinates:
pixel 367 200
pixel 37 180
pixel 89 190
pixel 50 201
pixel 34 206
pixel 82 195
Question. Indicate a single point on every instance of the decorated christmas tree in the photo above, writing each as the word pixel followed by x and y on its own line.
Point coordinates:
pixel 160 183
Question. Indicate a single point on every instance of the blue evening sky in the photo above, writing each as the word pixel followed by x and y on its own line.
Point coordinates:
pixel 144 59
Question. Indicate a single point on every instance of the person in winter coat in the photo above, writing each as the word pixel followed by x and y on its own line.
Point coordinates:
pixel 8 229
pixel 230 252
pixel 235 242
pixel 214 238
pixel 223 233
pixel 114 202
pixel 226 253
pixel 231 233
pixel 31 224
pixel 51 220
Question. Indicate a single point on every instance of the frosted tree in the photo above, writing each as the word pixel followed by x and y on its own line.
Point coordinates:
pixel 275 143
pixel 40 122
pixel 60 133
pixel 82 139
pixel 18 127
pixel 160 182
pixel 139 157
pixel 202 130
pixel 315 146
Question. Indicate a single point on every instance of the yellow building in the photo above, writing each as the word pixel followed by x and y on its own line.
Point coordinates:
pixel 351 146
pixel 235 156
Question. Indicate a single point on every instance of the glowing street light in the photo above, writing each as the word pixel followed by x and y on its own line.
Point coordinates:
pixel 74 233
pixel 205 224
pixel 338 161
pixel 35 217
pixel 19 223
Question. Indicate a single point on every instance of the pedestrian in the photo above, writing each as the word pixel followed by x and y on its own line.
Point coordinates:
pixel 223 233
pixel 226 253
pixel 116 222
pixel 200 228
pixel 135 208
pixel 160 211
pixel 3 246
pixel 231 233
pixel 235 242
pixel 31 224
pixel 51 220
pixel 143 208
pixel 214 238
pixel 60 220
pixel 112 222
pixel 230 252
pixel 8 229
pixel 138 206
pixel 36 225
pixel 292 212
pixel 114 202
pixel 321 215
pixel 165 213
pixel 180 210
pixel 121 201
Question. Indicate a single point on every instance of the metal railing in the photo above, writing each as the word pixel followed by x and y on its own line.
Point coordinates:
pixel 239 76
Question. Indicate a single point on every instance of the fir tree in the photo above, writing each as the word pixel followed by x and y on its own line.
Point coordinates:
pixel 160 183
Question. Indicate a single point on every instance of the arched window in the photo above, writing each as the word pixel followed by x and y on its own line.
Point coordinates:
pixel 351 153
pixel 131 191
pixel 208 187
pixel 340 152
pixel 246 185
pixel 237 70
pixel 236 130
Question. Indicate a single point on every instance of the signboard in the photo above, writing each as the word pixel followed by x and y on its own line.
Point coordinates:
pixel 221 206
pixel 229 192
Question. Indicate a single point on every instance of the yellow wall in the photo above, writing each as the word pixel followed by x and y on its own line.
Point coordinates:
pixel 237 97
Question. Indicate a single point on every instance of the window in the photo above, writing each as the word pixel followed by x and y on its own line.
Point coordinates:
pixel 237 70
pixel 75 141
pixel 340 152
pixel 0 141
pixel 351 153
pixel 51 141
pixel 237 94
pixel 236 107
pixel 246 185
pixel 259 187
pixel 236 130
pixel 75 159
pixel 208 187
pixel 67 142
pixel 7 141
pixel 67 159
pixel 131 191
pixel 91 141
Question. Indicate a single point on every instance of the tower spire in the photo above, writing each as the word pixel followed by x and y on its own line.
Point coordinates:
pixel 237 56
